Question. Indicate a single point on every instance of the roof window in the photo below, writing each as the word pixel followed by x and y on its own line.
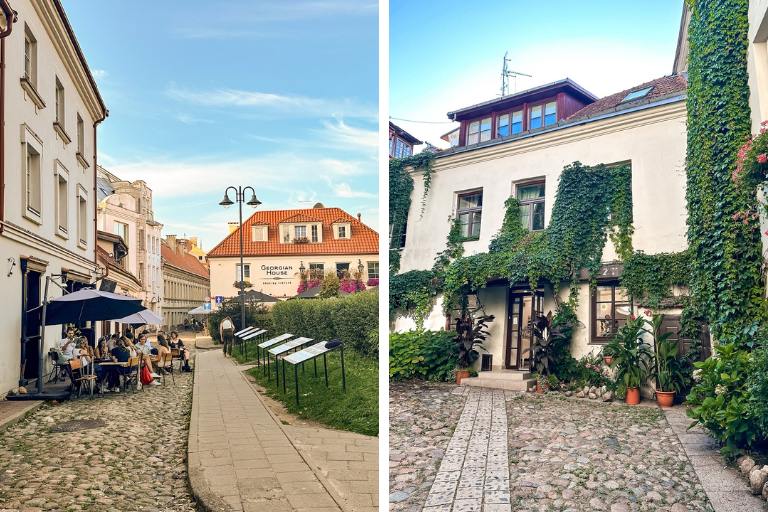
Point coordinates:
pixel 636 95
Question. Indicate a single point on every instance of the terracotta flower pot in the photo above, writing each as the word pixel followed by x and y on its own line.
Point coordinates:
pixel 539 390
pixel 461 374
pixel 608 360
pixel 633 396
pixel 665 398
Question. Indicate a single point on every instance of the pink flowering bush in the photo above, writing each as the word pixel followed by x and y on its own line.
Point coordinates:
pixel 351 286
pixel 752 158
pixel 374 281
pixel 306 285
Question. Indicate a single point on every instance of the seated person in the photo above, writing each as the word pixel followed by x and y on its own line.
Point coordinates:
pixel 67 345
pixel 163 353
pixel 144 350
pixel 175 342
pixel 120 354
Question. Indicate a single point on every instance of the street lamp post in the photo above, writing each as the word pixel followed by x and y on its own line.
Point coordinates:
pixel 227 202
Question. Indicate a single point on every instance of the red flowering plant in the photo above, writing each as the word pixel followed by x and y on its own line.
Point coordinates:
pixel 374 281
pixel 348 285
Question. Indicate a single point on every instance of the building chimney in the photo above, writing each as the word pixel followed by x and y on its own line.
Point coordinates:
pixel 170 240
pixel 232 226
pixel 193 242
pixel 359 217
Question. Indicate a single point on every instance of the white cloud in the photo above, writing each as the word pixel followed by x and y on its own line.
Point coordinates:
pixel 336 135
pixel 99 74
pixel 296 104
pixel 344 135
pixel 344 190
pixel 188 119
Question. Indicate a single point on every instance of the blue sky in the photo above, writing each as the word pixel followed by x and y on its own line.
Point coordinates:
pixel 447 56
pixel 279 95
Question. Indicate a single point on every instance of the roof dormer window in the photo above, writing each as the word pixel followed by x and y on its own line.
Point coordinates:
pixel 341 229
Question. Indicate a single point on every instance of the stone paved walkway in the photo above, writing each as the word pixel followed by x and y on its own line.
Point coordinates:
pixel 474 474
pixel 135 461
pixel 564 455
pixel 242 458
pixel 12 411
pixel 418 440
pixel 726 488
pixel 239 457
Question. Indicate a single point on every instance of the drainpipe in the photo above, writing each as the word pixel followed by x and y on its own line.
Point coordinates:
pixel 10 16
pixel 95 189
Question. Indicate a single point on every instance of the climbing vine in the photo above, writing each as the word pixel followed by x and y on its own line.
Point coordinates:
pixel 649 278
pixel 586 208
pixel 725 248
pixel 400 190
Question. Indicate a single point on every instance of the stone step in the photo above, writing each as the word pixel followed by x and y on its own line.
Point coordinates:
pixel 506 384
pixel 505 375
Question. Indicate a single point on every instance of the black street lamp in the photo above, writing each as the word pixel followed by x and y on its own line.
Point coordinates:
pixel 227 202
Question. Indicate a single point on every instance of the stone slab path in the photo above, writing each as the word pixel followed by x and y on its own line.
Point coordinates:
pixel 12 411
pixel 474 474
pixel 239 457
pixel 726 488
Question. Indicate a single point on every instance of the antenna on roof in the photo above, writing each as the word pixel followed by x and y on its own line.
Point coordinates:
pixel 506 73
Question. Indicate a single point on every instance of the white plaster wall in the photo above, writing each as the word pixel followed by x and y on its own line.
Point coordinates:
pixel 31 239
pixel 223 273
pixel 655 145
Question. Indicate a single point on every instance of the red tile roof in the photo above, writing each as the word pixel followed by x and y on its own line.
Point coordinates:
pixel 299 217
pixel 666 86
pixel 363 239
pixel 183 261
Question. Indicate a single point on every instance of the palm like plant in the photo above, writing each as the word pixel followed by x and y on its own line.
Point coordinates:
pixel 631 356
pixel 668 369
pixel 471 333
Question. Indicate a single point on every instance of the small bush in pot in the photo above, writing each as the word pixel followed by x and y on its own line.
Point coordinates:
pixel 631 358
pixel 470 334
pixel 668 368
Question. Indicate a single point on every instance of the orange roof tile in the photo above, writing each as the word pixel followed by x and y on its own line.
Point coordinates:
pixel 363 239
pixel 184 261
pixel 299 217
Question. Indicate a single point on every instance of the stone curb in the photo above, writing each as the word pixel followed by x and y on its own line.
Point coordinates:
pixel 20 415
pixel 207 500
pixel 343 504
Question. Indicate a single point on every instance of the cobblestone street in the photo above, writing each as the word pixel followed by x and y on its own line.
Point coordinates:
pixel 422 419
pixel 137 461
pixel 564 454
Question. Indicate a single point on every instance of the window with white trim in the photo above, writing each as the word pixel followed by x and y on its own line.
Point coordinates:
pixel 300 231
pixel 32 180
pixel 62 200
pixel 314 231
pixel 531 198
pixel 80 136
pixel 535 117
pixel 82 217
pixel 121 230
pixel 59 103
pixel 550 113
pixel 316 270
pixel 246 271
pixel 373 270
pixel 30 56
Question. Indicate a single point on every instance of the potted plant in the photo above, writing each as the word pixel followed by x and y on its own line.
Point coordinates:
pixel 667 368
pixel 607 356
pixel 470 334
pixel 631 357
pixel 542 384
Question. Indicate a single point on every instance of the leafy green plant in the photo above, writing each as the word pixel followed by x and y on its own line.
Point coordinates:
pixel 668 368
pixel 545 341
pixel 631 356
pixel 350 318
pixel 427 355
pixel 722 400
pixel 470 334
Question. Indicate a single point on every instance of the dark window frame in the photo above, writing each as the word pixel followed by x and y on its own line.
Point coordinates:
pixel 614 284
pixel 472 213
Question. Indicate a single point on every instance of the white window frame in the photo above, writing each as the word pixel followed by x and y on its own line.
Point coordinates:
pixel 61 174
pixel 300 231
pixel 30 56
pixel 370 265
pixel 314 233
pixel 31 142
pixel 124 234
pixel 258 233
pixel 246 272
pixel 82 217
pixel 60 103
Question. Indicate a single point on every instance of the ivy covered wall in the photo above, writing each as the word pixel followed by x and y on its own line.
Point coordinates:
pixel 725 252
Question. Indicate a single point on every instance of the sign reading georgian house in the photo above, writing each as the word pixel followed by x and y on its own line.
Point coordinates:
pixel 280 244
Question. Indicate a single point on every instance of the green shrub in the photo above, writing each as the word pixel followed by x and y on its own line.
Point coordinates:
pixel 256 315
pixel 428 355
pixel 722 400
pixel 350 318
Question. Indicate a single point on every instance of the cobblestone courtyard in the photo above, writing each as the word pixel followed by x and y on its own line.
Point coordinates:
pixel 563 454
pixel 137 461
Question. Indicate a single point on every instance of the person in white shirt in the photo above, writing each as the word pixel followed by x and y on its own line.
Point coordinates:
pixel 67 345
pixel 145 347
pixel 226 332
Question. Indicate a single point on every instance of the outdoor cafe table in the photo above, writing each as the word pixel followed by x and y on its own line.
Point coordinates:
pixel 282 349
pixel 312 353
pixel 270 343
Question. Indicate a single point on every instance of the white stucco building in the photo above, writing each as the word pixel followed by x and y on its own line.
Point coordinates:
pixel 125 210
pixel 278 243
pixel 49 114
pixel 517 146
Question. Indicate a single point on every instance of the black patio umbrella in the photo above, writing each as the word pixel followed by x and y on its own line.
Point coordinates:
pixel 89 304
